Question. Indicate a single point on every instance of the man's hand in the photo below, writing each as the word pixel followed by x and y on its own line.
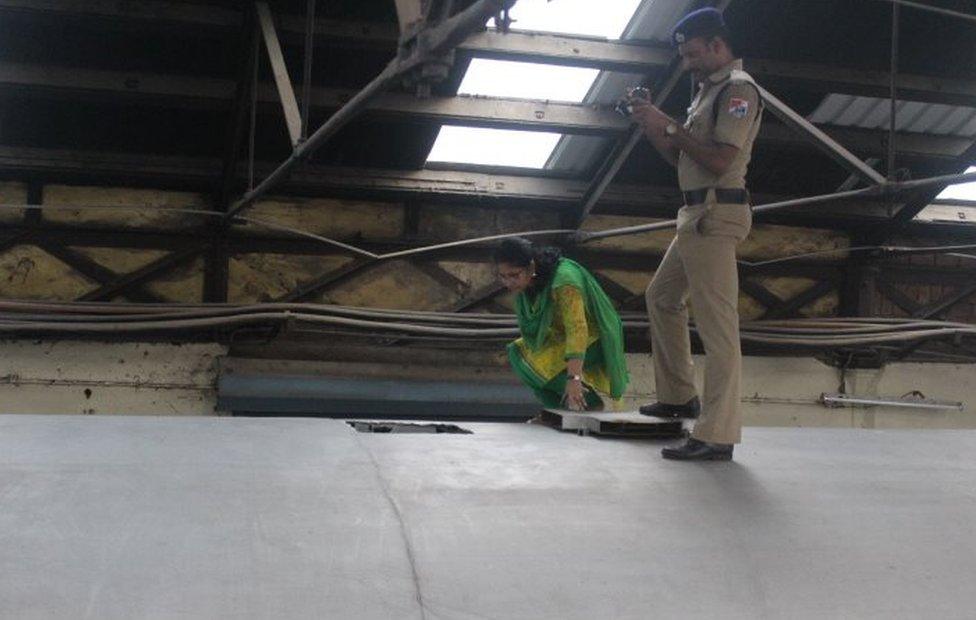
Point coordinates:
pixel 650 117
pixel 653 122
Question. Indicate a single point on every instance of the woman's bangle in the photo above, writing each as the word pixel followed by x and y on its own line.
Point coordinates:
pixel 575 378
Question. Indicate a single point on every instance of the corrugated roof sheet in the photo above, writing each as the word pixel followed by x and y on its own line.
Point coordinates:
pixel 911 116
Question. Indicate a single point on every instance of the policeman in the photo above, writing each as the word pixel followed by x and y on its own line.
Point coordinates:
pixel 711 150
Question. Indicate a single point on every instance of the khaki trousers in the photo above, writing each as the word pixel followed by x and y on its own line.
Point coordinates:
pixel 700 264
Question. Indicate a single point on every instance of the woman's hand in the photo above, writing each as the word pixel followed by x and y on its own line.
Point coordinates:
pixel 574 395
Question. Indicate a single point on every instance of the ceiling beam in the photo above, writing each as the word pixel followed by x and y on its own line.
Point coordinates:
pixel 569 118
pixel 427 182
pixel 455 186
pixel 96 272
pixel 546 48
pixel 237 122
pixel 209 93
pixel 190 19
pixel 826 78
pixel 190 242
pixel 135 10
pixel 554 49
pixel 143 275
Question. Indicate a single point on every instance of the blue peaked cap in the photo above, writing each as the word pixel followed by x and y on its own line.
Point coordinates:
pixel 701 23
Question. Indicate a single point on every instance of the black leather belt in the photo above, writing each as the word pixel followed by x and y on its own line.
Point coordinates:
pixel 722 196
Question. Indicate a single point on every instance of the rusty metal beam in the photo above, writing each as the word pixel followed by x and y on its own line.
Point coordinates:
pixel 154 269
pixel 96 272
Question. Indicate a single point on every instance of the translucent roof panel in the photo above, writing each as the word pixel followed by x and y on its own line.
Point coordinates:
pixel 963 191
pixel 579 17
pixel 493 147
pixel 517 80
pixel 523 80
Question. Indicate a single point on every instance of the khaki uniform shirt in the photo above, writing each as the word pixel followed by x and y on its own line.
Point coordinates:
pixel 733 119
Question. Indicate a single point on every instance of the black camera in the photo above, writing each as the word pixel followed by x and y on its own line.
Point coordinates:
pixel 625 105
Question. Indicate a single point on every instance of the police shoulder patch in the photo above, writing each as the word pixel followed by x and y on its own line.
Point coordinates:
pixel 738 108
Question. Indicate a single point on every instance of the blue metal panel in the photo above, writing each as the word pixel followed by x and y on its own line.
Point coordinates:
pixel 349 397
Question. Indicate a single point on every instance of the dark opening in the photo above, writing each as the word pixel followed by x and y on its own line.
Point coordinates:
pixel 402 427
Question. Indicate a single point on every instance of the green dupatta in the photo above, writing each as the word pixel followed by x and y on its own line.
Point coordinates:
pixel 535 319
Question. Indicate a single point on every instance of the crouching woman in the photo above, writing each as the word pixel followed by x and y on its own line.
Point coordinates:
pixel 571 349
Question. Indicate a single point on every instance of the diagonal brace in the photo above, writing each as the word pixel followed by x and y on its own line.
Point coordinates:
pixel 430 44
pixel 831 147
pixel 286 93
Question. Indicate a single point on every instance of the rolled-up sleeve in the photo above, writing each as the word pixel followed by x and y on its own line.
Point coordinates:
pixel 572 311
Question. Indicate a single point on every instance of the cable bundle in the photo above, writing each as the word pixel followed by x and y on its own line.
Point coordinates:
pixel 92 318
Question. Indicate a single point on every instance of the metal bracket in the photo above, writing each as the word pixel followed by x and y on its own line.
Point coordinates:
pixel 912 400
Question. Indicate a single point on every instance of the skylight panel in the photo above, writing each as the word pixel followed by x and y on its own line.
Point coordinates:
pixel 524 80
pixel 963 191
pixel 520 80
pixel 493 147
pixel 606 19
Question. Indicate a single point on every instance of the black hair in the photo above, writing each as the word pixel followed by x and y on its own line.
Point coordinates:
pixel 519 252
pixel 722 33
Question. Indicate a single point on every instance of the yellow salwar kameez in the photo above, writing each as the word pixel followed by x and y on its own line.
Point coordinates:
pixel 573 333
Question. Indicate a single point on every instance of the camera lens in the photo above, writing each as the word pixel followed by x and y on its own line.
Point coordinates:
pixel 623 107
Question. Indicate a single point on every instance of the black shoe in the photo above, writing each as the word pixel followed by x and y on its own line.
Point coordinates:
pixel 689 410
pixel 695 450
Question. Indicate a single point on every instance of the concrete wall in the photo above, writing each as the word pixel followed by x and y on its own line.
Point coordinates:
pixel 779 391
pixel 76 377
pixel 70 377
pixel 765 242
pixel 28 272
